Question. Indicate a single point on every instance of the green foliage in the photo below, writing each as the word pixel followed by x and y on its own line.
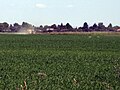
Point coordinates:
pixel 60 62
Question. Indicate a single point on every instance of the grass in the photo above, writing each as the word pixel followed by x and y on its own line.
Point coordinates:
pixel 59 62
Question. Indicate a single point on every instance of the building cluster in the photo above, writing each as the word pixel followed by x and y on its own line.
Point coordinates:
pixel 26 27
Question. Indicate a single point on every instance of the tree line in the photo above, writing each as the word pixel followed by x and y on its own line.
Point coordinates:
pixel 5 27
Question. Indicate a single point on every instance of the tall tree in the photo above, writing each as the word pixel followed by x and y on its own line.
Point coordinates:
pixel 95 27
pixel 61 26
pixel 54 26
pixel 110 27
pixel 1 27
pixel 16 27
pixel 68 26
pixel 85 27
pixel 6 25
pixel 101 27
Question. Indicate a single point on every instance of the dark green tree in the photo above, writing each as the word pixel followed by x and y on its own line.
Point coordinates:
pixel 68 26
pixel 85 27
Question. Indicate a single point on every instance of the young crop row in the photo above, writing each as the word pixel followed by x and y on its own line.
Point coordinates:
pixel 59 62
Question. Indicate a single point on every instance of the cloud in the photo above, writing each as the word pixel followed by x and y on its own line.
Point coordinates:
pixel 70 6
pixel 40 5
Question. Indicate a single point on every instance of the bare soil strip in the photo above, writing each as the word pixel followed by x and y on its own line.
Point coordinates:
pixel 82 33
pixel 72 33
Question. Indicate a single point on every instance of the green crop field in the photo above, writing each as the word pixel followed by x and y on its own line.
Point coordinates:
pixel 59 62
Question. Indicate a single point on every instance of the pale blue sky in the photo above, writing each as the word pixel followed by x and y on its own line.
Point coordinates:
pixel 76 12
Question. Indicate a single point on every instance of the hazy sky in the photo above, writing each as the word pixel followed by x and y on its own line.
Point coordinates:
pixel 76 12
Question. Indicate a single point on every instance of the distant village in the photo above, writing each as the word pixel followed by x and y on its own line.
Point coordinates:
pixel 26 27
